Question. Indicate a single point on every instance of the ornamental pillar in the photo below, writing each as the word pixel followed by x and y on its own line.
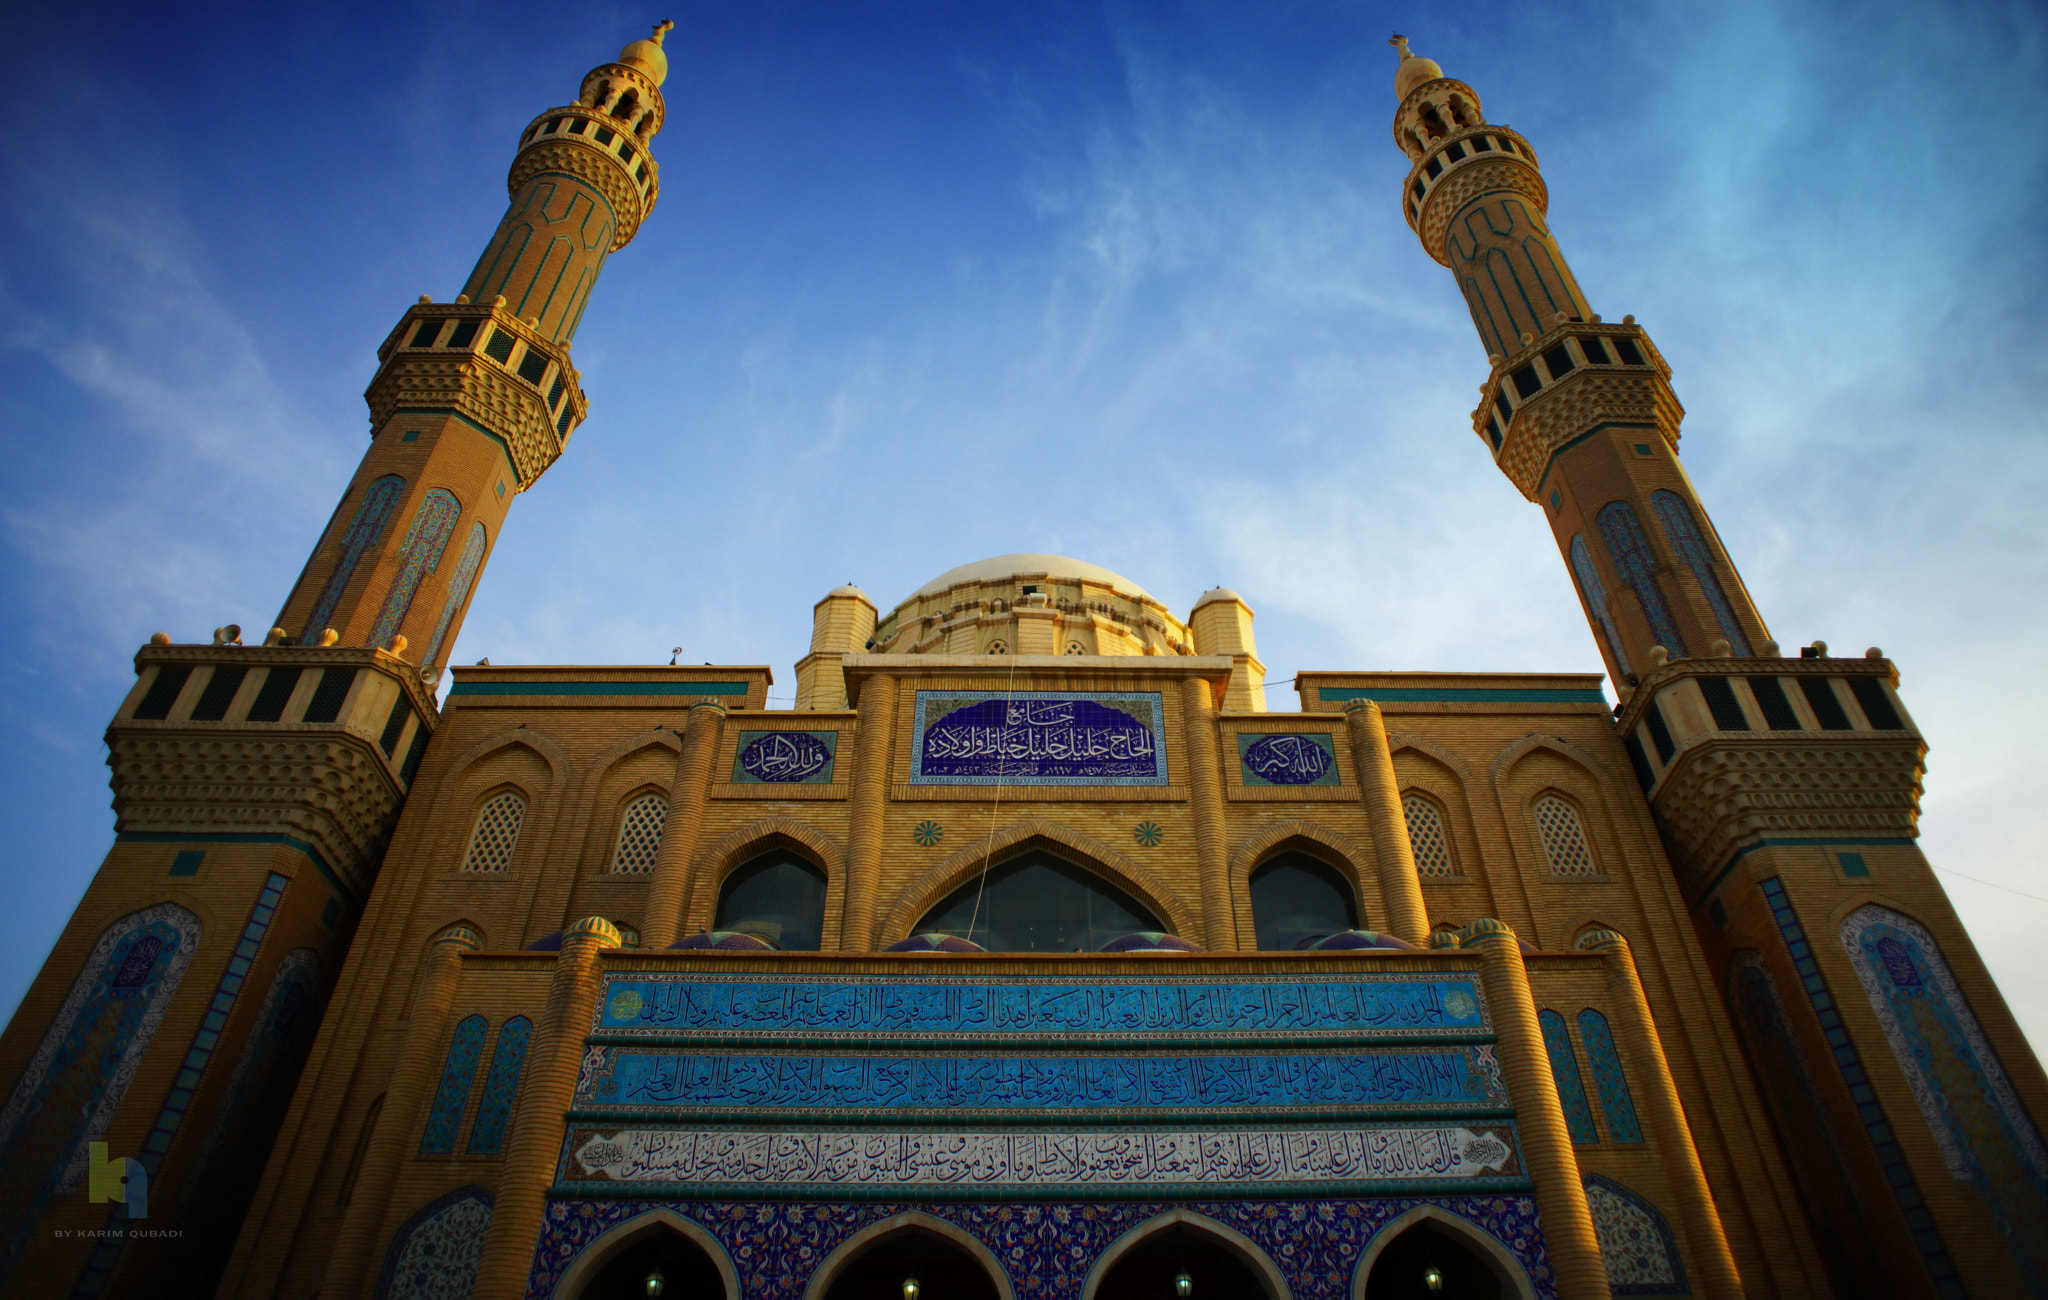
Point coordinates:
pixel 1205 795
pixel 1400 887
pixel 356 1245
pixel 1714 1263
pixel 669 887
pixel 870 802
pixel 1546 1144
pixel 537 1123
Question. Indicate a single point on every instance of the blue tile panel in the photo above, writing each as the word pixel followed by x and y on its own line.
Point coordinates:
pixel 1615 1103
pixel 487 1133
pixel 1571 1086
pixel 1918 1220
pixel 100 1265
pixel 452 1097
pixel 1045 738
pixel 1287 758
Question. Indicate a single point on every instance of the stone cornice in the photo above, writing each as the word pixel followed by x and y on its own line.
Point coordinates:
pixel 1656 679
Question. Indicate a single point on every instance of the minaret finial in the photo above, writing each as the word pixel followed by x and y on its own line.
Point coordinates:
pixel 1400 43
pixel 661 30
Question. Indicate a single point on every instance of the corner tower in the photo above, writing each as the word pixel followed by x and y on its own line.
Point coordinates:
pixel 1905 1098
pixel 474 400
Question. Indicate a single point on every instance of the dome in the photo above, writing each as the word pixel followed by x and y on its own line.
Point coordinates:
pixel 1414 69
pixel 1057 566
pixel 1218 593
pixel 647 55
pixel 848 590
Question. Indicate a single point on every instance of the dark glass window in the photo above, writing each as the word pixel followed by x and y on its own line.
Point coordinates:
pixel 423 337
pixel 1640 761
pixel 394 726
pixel 1038 903
pixel 1594 352
pixel 413 755
pixel 1660 735
pixel 1826 707
pixel 1721 702
pixel 1526 381
pixel 163 692
pixel 1295 897
pixel 220 692
pixel 625 151
pixel 1482 144
pixel 532 367
pixel 1418 188
pixel 1876 706
pixel 499 347
pixel 1559 359
pixel 1500 403
pixel 1435 168
pixel 1493 431
pixel 276 693
pixel 555 393
pixel 553 124
pixel 464 335
pixel 576 127
pixel 1456 153
pixel 778 897
pixel 1770 697
pixel 325 706
pixel 604 135
pixel 562 420
pixel 1627 351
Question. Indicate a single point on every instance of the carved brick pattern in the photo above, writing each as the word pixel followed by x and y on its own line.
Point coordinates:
pixel 329 789
pixel 1724 793
pixel 592 163
pixel 1489 173
pixel 1576 403
pixel 514 410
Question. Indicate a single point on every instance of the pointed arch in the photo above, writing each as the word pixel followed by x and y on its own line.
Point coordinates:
pixel 1350 857
pixel 365 529
pixel 1628 548
pixel 904 1224
pixel 438 1249
pixel 544 748
pixel 590 1261
pixel 1061 841
pixel 1239 1245
pixel 1508 1270
pixel 738 846
pixel 433 523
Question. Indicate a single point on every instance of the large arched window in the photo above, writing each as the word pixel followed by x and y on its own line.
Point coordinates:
pixel 1595 592
pixel 1564 837
pixel 458 591
pixel 1038 903
pixel 1427 836
pixel 1691 546
pixel 778 897
pixel 1295 897
pixel 1637 564
pixel 640 834
pixel 365 529
pixel 496 833
pixel 419 555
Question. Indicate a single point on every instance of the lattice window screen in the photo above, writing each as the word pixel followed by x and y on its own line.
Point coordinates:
pixel 1564 839
pixel 640 834
pixel 497 832
pixel 1426 834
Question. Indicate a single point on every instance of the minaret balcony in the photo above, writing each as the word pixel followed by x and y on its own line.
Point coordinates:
pixel 310 745
pixel 1457 155
pixel 1736 753
pixel 587 129
pixel 1574 378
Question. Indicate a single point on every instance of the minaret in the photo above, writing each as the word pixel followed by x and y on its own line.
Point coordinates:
pixel 475 399
pixel 1906 1099
pixel 1578 413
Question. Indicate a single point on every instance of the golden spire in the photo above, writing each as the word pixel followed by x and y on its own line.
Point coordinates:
pixel 1414 69
pixel 647 55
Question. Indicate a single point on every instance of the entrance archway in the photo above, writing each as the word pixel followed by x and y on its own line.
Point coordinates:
pixel 618 1264
pixel 875 1262
pixel 1469 1264
pixel 1220 1263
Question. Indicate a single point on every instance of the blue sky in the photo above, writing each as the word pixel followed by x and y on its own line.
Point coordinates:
pixel 931 282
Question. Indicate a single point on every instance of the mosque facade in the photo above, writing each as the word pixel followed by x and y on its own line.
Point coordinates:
pixel 1036 952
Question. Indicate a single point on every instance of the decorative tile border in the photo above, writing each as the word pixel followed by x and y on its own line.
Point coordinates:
pixel 927 1011
pixel 1045 738
pixel 1046 1248
pixel 633 1080
pixel 948 1163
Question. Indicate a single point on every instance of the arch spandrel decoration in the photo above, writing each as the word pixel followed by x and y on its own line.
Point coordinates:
pixel 1347 855
pixel 80 1072
pixel 1974 1115
pixel 435 1253
pixel 621 1236
pixel 1636 1244
pixel 742 845
pixel 1244 1248
pixel 1511 1270
pixel 1063 842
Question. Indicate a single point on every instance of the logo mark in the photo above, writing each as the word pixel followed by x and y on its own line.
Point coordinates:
pixel 119 1180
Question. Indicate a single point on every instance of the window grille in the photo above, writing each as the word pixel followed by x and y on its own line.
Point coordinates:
pixel 1564 838
pixel 1426 834
pixel 640 834
pixel 497 832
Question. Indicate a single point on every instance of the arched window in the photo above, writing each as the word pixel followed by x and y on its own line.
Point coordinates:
pixel 1296 897
pixel 1636 563
pixel 640 834
pixel 458 1072
pixel 942 1268
pixel 1595 593
pixel 1564 837
pixel 458 591
pixel 1691 546
pixel 436 1251
pixel 1571 1085
pixel 487 1132
pixel 1615 1102
pixel 778 897
pixel 1039 903
pixel 1427 836
pixel 496 833
pixel 425 538
pixel 365 530
pixel 1216 1264
pixel 1433 1245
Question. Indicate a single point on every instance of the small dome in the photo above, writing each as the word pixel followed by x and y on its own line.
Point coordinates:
pixel 1218 593
pixel 647 55
pixel 726 941
pixel 1149 941
pixel 1057 566
pixel 1414 69
pixel 932 942
pixel 848 590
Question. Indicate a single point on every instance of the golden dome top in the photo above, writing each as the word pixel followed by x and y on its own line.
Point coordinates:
pixel 647 55
pixel 1414 69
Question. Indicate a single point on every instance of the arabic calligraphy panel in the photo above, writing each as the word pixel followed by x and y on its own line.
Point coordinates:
pixel 1045 738
pixel 785 758
pixel 1287 758
pixel 944 1162
pixel 1344 1008
pixel 670 1082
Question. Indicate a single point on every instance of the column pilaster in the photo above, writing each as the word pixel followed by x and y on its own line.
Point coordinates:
pixel 1400 887
pixel 1205 794
pixel 870 801
pixel 669 888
